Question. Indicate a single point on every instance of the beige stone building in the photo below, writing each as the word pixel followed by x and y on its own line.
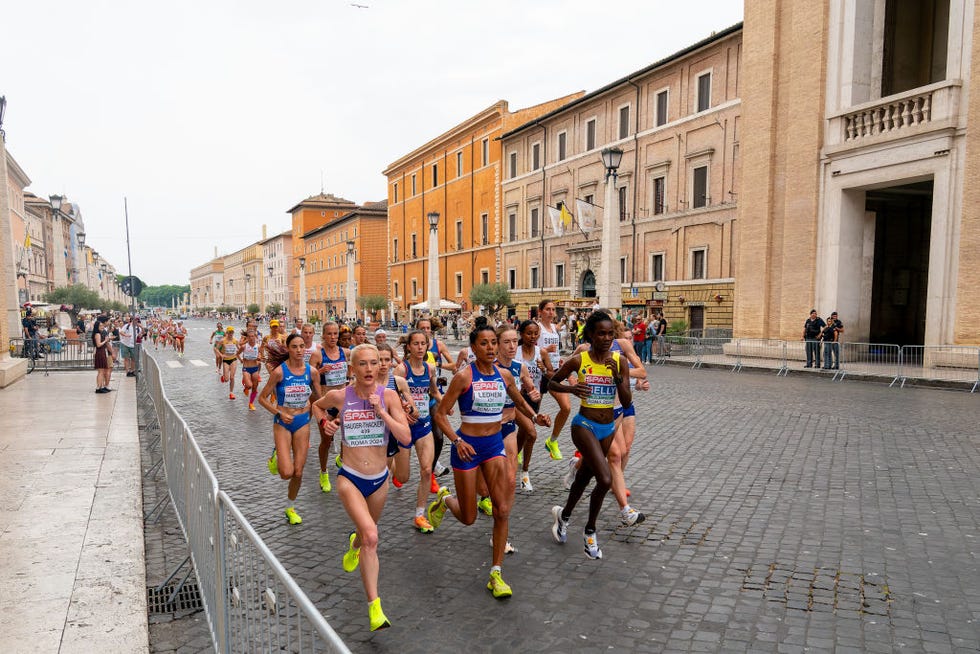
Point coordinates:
pixel 207 284
pixel 860 137
pixel 678 123
pixel 243 278
pixel 277 256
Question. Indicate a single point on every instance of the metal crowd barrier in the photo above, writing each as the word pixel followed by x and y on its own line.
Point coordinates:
pixel 684 348
pixel 872 359
pixel 770 353
pixel 947 363
pixel 251 602
pixel 56 353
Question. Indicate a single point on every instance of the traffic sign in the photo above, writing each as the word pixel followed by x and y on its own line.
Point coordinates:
pixel 132 286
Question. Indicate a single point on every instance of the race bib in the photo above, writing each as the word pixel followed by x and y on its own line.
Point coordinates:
pixel 363 428
pixel 420 395
pixel 602 392
pixel 295 396
pixel 336 374
pixel 488 397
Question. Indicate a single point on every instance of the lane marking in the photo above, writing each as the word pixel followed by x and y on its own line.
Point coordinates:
pixel 198 363
pixel 174 364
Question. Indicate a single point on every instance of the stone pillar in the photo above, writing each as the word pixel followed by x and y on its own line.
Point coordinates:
pixel 10 369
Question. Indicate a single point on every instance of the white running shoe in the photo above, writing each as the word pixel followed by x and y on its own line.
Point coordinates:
pixel 572 471
pixel 631 516
pixel 526 486
pixel 559 530
pixel 592 547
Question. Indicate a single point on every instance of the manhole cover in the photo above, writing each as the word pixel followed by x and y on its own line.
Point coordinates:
pixel 187 598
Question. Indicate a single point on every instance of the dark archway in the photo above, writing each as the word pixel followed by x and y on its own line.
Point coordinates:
pixel 588 284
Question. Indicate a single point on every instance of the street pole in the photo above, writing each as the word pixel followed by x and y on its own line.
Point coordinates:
pixel 351 299
pixel 433 298
pixel 610 286
pixel 302 289
pixel 10 326
pixel 129 256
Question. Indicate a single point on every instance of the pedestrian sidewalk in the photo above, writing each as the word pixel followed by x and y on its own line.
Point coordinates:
pixel 72 570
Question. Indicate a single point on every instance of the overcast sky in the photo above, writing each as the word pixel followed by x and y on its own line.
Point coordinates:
pixel 215 116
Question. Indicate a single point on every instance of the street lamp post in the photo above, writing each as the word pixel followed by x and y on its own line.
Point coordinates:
pixel 351 309
pixel 302 289
pixel 248 278
pixel 433 296
pixel 610 285
pixel 271 294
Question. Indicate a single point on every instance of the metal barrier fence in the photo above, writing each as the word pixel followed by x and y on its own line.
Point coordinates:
pixel 872 359
pixel 56 353
pixel 947 363
pixel 767 352
pixel 250 601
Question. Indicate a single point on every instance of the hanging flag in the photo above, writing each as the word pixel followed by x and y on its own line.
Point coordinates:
pixel 566 217
pixel 27 242
pixel 556 224
pixel 586 216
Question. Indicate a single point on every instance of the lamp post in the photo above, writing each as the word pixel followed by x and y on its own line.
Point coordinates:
pixel 302 289
pixel 83 265
pixel 102 283
pixel 248 278
pixel 433 295
pixel 350 310
pixel 610 285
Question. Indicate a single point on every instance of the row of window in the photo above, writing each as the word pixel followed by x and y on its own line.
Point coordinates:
pixel 338 291
pixel 484 238
pixel 661 117
pixel 396 287
pixel 318 265
pixel 434 171
pixel 697 270
pixel 316 245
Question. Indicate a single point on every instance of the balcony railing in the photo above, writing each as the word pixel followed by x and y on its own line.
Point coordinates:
pixel 924 108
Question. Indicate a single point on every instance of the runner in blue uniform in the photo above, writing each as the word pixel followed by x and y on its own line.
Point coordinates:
pixel 436 355
pixel 366 413
pixel 333 375
pixel 287 396
pixel 478 444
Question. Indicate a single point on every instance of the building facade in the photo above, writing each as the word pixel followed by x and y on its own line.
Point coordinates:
pixel 326 250
pixel 456 175
pixel 860 139
pixel 277 255
pixel 678 124
pixel 36 265
pixel 244 282
pixel 207 285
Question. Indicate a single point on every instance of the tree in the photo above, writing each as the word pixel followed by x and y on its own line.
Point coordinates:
pixel 80 297
pixel 253 308
pixel 493 297
pixel 373 303
pixel 163 296
pixel 274 309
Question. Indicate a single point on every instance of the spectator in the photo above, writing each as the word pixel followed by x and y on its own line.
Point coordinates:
pixel 29 325
pixel 812 329
pixel 104 355
pixel 662 335
pixel 80 327
pixel 651 334
pixel 640 337
pixel 127 345
pixel 831 342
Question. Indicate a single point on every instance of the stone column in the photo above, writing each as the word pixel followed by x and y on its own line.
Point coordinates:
pixel 10 369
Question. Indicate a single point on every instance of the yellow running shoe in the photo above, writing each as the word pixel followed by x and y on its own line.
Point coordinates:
pixel 485 505
pixel 274 463
pixel 339 461
pixel 423 525
pixel 377 617
pixel 353 555
pixel 325 482
pixel 520 458
pixel 251 407
pixel 293 517
pixel 499 587
pixel 437 509
pixel 552 445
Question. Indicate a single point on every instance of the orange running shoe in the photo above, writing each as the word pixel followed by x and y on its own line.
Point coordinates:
pixel 397 483
pixel 434 486
pixel 231 396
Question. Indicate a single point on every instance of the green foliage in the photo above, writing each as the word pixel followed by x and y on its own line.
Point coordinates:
pixel 224 308
pixel 493 297
pixel 252 308
pixel 80 296
pixel 373 303
pixel 677 327
pixel 162 296
pixel 274 309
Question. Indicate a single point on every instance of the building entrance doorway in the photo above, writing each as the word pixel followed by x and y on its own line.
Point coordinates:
pixel 903 219
pixel 588 284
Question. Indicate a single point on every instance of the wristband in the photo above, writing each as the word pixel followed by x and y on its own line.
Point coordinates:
pixel 279 415
pixel 323 422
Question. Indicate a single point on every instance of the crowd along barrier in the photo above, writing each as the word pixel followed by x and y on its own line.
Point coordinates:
pixel 251 603
pixel 55 353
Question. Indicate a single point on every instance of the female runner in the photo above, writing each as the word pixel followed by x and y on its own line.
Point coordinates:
pixel 478 445
pixel 251 377
pixel 366 413
pixel 537 364
pixel 229 358
pixel 602 375
pixel 333 375
pixel 360 336
pixel 421 380
pixel 398 457
pixel 287 396
pixel 438 352
pixel 550 342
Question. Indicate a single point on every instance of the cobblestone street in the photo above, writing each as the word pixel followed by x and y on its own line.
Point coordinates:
pixel 783 514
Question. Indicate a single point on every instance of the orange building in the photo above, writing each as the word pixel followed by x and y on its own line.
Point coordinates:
pixel 457 175
pixel 328 223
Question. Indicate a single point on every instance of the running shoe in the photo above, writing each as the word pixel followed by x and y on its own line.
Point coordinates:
pixel 559 530
pixel 423 525
pixel 508 546
pixel 353 555
pixel 339 461
pixel 630 516
pixel 434 485
pixel 293 517
pixel 231 396
pixel 520 458
pixel 628 493
pixel 437 509
pixel 592 547
pixel 325 482
pixel 440 469
pixel 377 617
pixel 274 463
pixel 526 483
pixel 569 478
pixel 485 505
pixel 498 586
pixel 223 380
pixel 552 446
pixel 397 484
pixel 251 407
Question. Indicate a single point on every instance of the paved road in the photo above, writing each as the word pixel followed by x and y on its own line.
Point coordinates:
pixel 783 515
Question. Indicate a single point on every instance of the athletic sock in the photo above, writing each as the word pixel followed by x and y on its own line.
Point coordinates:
pixel 494 568
pixel 625 510
pixel 419 512
pixel 251 397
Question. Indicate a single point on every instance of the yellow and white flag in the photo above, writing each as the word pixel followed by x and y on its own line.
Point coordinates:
pixel 587 220
pixel 556 224
pixel 27 242
pixel 566 218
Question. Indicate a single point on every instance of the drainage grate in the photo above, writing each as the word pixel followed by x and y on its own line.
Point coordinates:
pixel 684 531
pixel 822 590
pixel 188 598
